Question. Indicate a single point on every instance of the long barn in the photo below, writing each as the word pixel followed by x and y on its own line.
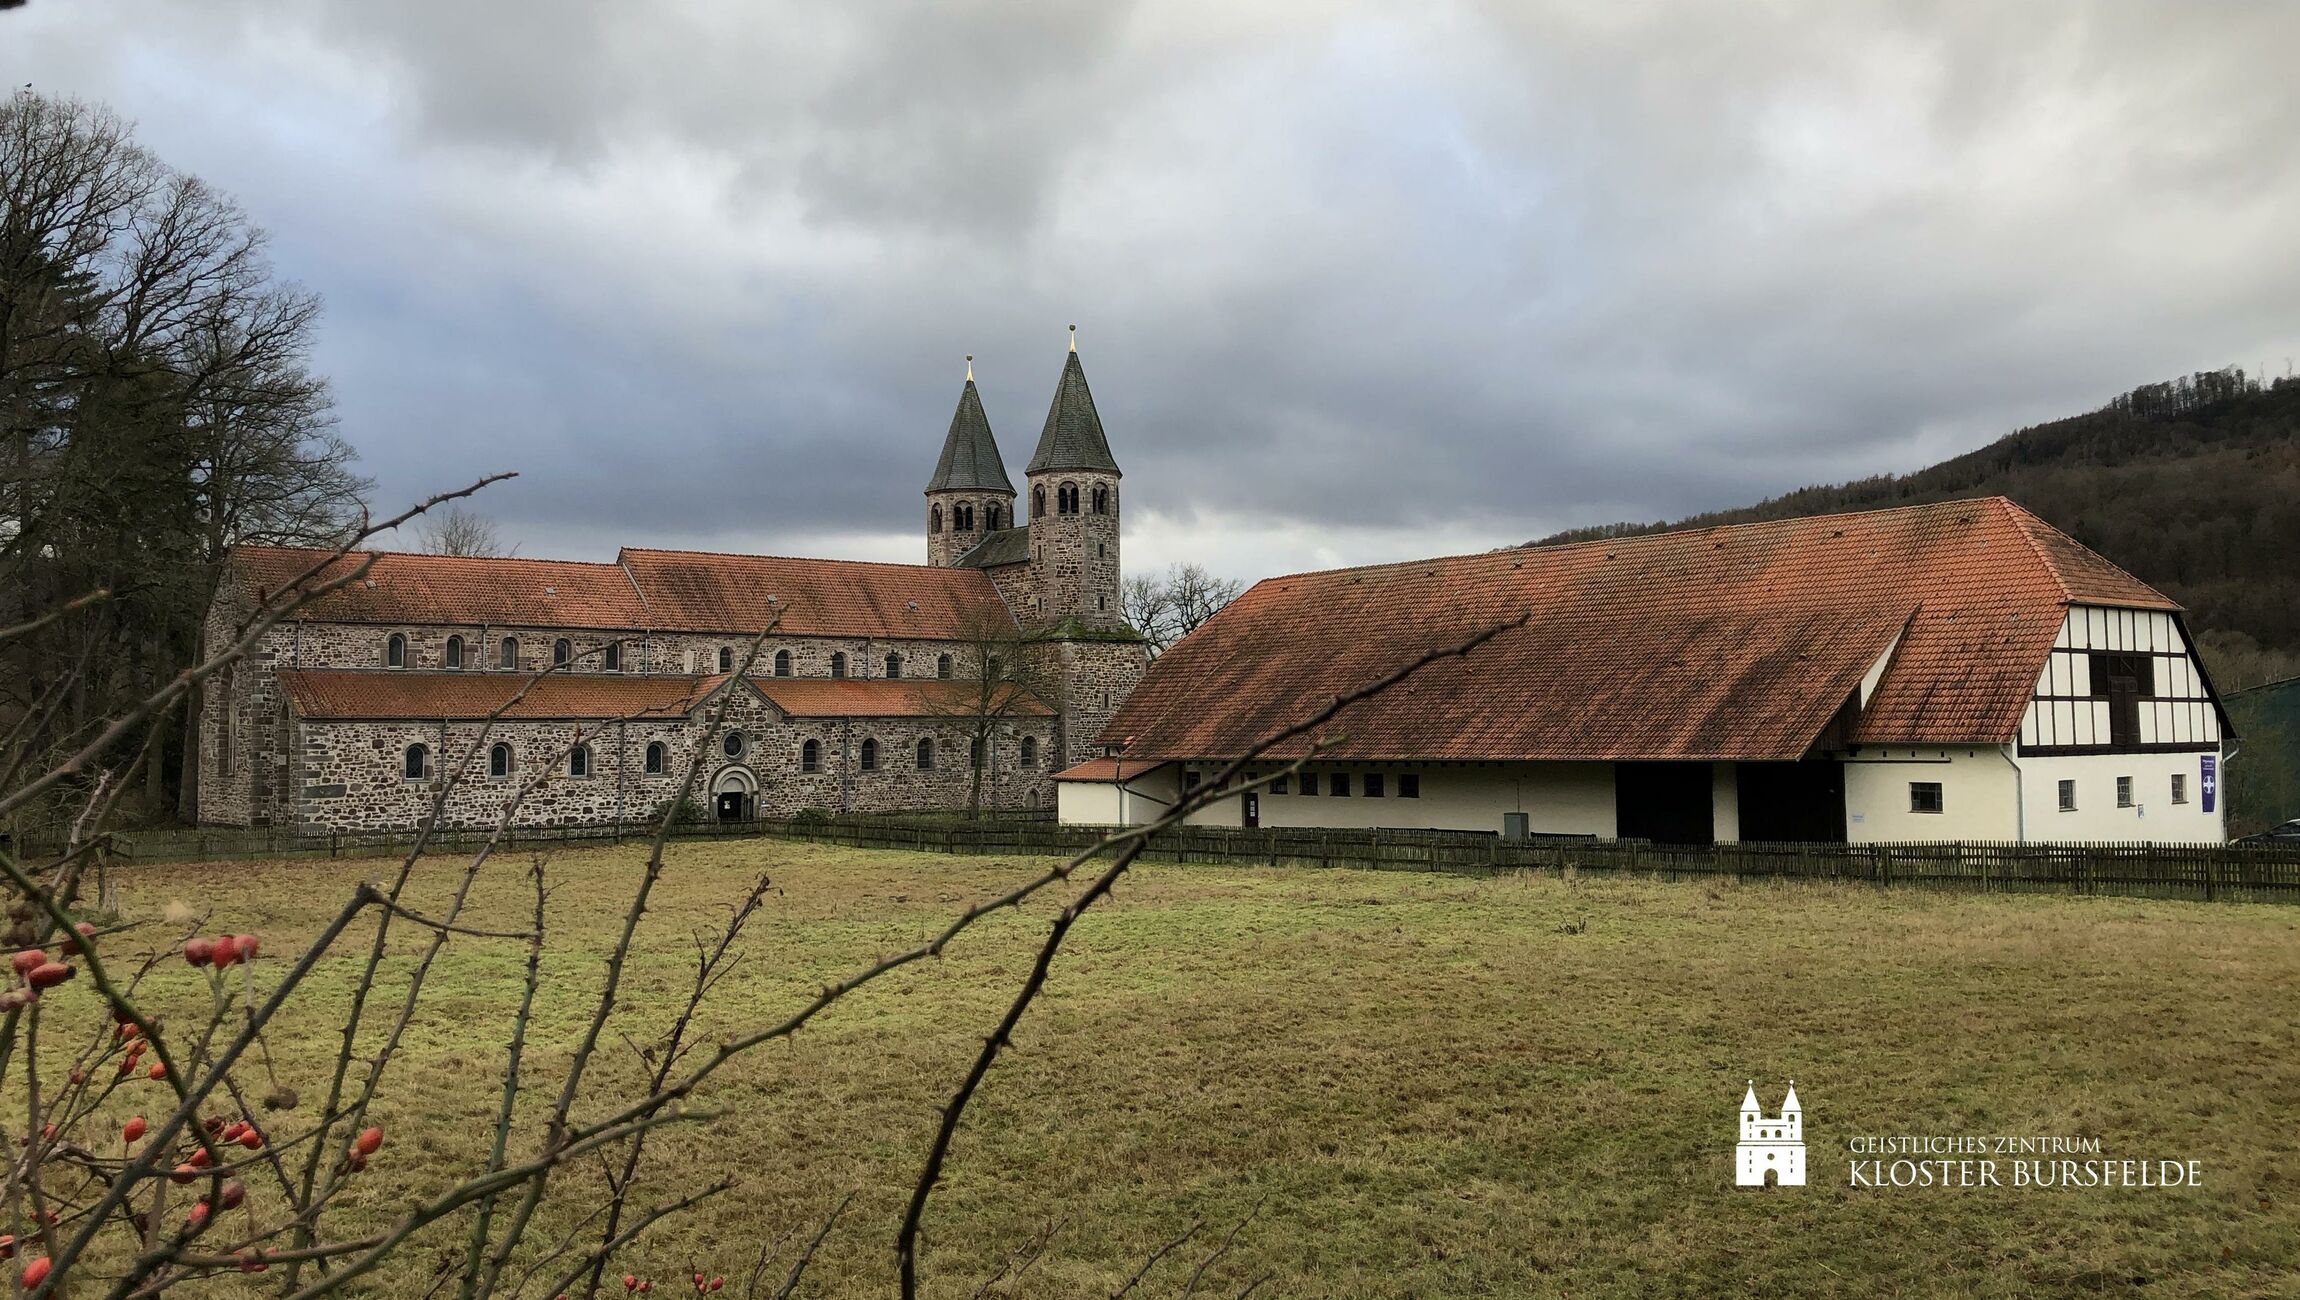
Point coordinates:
pixel 1959 670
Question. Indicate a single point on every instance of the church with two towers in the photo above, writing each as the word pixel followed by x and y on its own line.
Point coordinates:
pixel 473 691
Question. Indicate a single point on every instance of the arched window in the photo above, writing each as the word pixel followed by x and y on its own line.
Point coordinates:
pixel 869 755
pixel 990 669
pixel 974 752
pixel 1030 751
pixel 926 753
pixel 415 762
pixel 1066 499
pixel 732 744
pixel 561 651
pixel 894 665
pixel 579 761
pixel 942 667
pixel 655 758
pixel 454 652
pixel 507 654
pixel 934 520
pixel 499 760
pixel 838 663
pixel 962 518
pixel 811 756
pixel 1038 503
pixel 1102 500
pixel 992 515
pixel 726 659
pixel 614 656
pixel 782 663
pixel 395 651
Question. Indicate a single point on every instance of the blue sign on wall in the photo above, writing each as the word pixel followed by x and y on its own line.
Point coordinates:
pixel 2210 779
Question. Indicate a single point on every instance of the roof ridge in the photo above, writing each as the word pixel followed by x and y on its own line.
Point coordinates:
pixel 804 559
pixel 419 555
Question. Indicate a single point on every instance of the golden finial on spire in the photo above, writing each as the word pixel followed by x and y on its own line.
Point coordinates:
pixel 970 367
pixel 1074 338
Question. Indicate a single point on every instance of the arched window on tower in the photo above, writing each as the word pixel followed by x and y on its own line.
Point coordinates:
pixel 1102 500
pixel 934 520
pixel 838 663
pixel 1066 499
pixel 992 515
pixel 1038 503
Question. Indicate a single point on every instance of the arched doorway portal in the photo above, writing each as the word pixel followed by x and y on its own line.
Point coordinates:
pixel 735 794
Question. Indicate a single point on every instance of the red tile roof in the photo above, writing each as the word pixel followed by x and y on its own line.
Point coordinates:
pixel 405 588
pixel 356 694
pixel 1737 642
pixel 1108 769
pixel 821 697
pixel 697 591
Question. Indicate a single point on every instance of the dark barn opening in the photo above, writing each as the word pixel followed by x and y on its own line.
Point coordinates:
pixel 1667 803
pixel 1797 803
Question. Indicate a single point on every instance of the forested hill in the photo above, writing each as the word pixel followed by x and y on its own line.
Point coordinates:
pixel 2193 485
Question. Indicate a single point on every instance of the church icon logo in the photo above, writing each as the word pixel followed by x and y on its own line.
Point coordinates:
pixel 1772 1148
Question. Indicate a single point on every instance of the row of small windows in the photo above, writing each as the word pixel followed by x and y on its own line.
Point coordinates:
pixel 1066 500
pixel 2124 792
pixel 962 519
pixel 611 657
pixel 1336 785
pixel 415 763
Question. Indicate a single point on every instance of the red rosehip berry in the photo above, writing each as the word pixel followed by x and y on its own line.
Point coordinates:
pixel 183 1173
pixel 35 1272
pixel 370 1141
pixel 128 1030
pixel 225 952
pixel 251 1139
pixel 7 1245
pixel 199 950
pixel 159 1070
pixel 235 1192
pixel 198 1217
pixel 28 960
pixel 133 1129
pixel 718 1282
pixel 247 944
pixel 630 1281
pixel 51 974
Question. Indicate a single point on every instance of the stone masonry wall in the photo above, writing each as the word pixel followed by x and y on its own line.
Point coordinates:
pixel 944 548
pixel 1097 676
pixel 1074 558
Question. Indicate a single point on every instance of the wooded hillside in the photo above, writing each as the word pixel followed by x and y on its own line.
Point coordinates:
pixel 2192 485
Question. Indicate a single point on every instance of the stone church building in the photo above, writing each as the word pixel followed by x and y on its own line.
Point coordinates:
pixel 877 686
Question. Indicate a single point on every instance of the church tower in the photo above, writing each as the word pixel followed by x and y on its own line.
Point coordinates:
pixel 1074 509
pixel 969 497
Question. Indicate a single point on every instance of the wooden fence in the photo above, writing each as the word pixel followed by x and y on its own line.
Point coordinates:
pixel 2205 872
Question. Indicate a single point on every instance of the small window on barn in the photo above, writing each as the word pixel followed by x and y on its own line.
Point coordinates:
pixel 782 663
pixel 1030 753
pixel 1373 785
pixel 726 659
pixel 925 754
pixel 1339 785
pixel 942 667
pixel 1924 796
pixel 395 651
pixel 579 761
pixel 614 656
pixel 1409 785
pixel 562 652
pixel 454 652
pixel 2124 792
pixel 869 754
pixel 1309 783
pixel 499 761
pixel 1278 785
pixel 811 756
pixel 655 758
pixel 507 654
pixel 415 762
pixel 893 666
pixel 839 663
pixel 2068 796
pixel 2180 787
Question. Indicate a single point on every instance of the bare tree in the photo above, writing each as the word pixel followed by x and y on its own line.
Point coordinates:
pixel 458 531
pixel 1167 608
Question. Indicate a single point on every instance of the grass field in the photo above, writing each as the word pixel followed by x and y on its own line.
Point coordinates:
pixel 1429 1086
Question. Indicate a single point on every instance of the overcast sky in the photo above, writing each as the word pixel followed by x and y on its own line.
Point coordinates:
pixel 1352 282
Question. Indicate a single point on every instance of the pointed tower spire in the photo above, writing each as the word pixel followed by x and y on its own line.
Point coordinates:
pixel 970 460
pixel 1073 437
pixel 1749 1104
pixel 1790 1106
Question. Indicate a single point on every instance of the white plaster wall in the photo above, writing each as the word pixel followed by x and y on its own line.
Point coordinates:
pixel 1978 800
pixel 2153 815
pixel 1088 803
pixel 1558 798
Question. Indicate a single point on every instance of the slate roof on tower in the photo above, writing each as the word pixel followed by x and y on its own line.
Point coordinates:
pixel 1741 642
pixel 1073 436
pixel 970 458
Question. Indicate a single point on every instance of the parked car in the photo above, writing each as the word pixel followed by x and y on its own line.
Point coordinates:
pixel 2286 836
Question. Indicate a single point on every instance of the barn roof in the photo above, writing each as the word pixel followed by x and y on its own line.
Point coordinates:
pixel 1736 642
